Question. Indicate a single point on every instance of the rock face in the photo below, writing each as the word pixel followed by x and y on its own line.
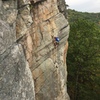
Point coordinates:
pixel 32 66
pixel 16 82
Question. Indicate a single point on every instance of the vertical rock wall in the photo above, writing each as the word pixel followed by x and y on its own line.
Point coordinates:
pixel 26 41
pixel 16 81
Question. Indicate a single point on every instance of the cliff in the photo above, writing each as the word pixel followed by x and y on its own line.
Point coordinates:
pixel 32 63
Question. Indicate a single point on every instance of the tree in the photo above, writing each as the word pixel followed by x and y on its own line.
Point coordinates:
pixel 84 60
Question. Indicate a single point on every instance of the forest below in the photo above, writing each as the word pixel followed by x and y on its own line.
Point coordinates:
pixel 83 58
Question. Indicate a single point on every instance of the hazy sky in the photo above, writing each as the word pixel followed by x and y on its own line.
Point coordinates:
pixel 84 5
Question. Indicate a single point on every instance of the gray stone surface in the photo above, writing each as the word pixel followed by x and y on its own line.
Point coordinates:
pixel 16 81
pixel 24 19
pixel 62 8
pixel 7 36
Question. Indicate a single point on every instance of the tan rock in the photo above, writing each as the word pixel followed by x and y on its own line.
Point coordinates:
pixel 37 23
pixel 49 63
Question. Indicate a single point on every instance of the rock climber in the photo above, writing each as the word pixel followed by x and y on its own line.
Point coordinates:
pixel 56 41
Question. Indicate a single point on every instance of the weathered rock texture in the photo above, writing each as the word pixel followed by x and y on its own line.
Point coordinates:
pixel 16 82
pixel 28 56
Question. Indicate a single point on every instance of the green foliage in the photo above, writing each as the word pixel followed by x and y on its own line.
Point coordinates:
pixel 94 17
pixel 84 60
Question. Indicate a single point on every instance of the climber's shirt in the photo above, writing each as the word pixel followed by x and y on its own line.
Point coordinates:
pixel 57 39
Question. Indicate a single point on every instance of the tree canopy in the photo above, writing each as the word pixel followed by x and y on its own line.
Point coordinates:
pixel 83 60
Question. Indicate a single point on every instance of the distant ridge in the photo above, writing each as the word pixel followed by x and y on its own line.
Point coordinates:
pixel 94 17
